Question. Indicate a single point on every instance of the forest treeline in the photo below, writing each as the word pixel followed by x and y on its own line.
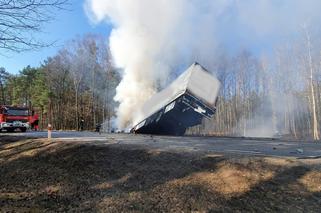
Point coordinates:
pixel 78 83
pixel 269 96
pixel 259 96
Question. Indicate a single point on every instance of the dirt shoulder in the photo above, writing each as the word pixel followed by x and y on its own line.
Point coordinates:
pixel 37 175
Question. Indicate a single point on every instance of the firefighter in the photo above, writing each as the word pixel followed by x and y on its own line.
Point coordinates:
pixel 34 121
pixel 82 122
pixel 98 126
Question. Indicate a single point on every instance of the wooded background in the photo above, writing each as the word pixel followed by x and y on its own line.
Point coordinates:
pixel 77 83
pixel 279 95
pixel 260 96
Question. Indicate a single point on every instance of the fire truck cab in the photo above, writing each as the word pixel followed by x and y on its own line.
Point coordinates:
pixel 13 118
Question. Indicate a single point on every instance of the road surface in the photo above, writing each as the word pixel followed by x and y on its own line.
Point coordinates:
pixel 226 145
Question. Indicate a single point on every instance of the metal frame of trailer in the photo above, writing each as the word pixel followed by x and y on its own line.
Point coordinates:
pixel 184 112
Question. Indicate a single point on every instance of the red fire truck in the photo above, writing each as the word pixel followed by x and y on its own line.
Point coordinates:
pixel 13 118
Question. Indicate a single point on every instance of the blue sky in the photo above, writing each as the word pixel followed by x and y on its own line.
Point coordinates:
pixel 66 26
pixel 254 25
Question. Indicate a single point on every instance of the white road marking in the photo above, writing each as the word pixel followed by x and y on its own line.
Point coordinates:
pixel 83 138
pixel 243 151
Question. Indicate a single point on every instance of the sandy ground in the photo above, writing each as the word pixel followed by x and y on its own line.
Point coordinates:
pixel 37 175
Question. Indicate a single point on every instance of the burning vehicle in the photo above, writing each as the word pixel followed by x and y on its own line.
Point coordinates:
pixel 183 104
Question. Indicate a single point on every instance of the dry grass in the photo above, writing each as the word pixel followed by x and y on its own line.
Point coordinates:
pixel 312 181
pixel 39 176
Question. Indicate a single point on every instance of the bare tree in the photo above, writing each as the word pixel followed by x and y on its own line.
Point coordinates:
pixel 21 19
pixel 78 69
pixel 311 84
pixel 57 76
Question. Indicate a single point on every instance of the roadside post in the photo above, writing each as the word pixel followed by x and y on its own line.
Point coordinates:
pixel 49 131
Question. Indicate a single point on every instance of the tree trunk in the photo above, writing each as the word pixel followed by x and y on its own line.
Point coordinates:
pixel 77 114
pixel 313 107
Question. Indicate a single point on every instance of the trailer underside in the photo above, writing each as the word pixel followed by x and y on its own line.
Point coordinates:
pixel 173 119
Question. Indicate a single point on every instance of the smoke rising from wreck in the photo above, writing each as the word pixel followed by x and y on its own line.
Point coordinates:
pixel 151 39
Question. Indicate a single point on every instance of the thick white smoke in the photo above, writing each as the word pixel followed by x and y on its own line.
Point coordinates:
pixel 151 38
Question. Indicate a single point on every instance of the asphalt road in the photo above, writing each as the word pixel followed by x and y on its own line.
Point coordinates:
pixel 245 146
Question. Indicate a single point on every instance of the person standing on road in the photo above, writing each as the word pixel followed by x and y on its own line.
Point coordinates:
pixel 98 126
pixel 82 121
pixel 36 122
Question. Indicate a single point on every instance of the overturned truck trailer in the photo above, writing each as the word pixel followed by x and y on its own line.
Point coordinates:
pixel 182 104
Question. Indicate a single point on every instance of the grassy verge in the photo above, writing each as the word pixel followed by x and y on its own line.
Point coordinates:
pixel 37 175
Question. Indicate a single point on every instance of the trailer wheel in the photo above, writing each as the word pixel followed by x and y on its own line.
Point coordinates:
pixel 23 129
pixel 10 130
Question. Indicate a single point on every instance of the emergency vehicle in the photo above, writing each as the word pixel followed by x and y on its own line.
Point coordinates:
pixel 13 118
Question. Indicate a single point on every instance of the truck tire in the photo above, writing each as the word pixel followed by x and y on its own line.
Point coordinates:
pixel 23 129
pixel 10 130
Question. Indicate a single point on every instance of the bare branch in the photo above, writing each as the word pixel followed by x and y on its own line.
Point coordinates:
pixel 20 20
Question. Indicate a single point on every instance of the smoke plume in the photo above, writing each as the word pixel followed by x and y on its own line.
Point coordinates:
pixel 152 38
